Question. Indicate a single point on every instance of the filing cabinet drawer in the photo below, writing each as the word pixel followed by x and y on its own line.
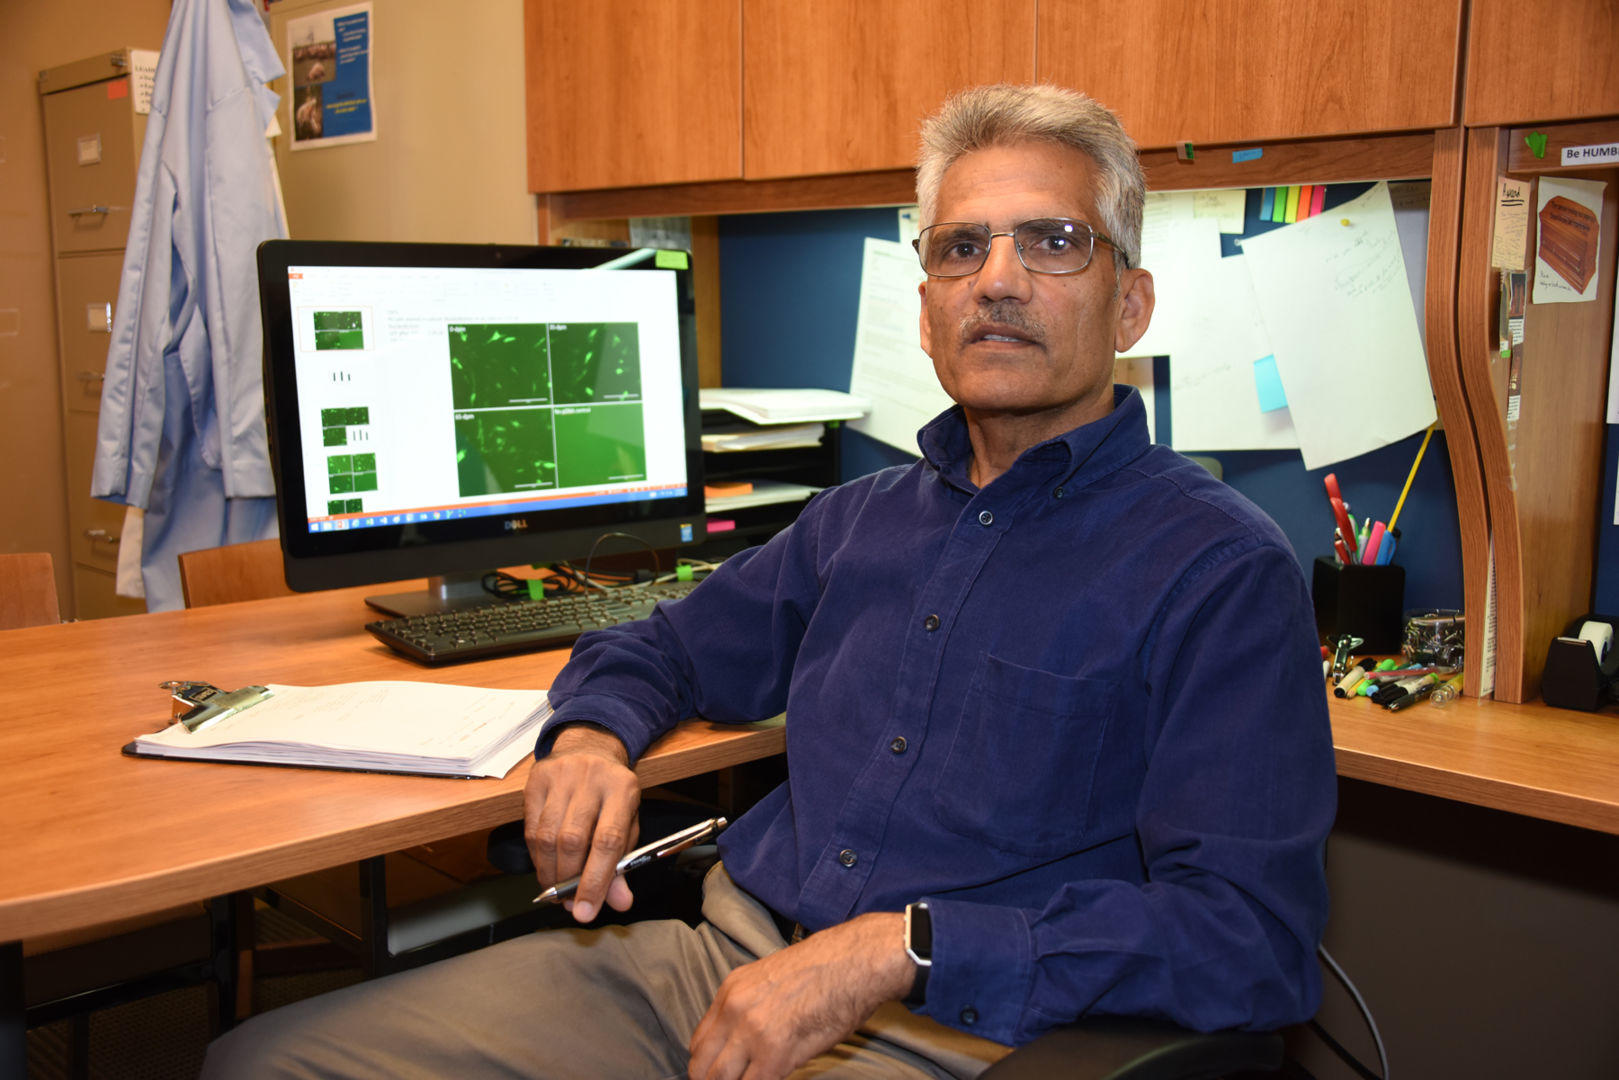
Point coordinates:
pixel 92 150
pixel 95 524
pixel 95 597
pixel 86 290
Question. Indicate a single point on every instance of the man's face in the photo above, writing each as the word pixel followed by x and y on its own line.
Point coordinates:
pixel 1006 342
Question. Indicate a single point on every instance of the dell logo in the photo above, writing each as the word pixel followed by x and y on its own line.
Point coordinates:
pixel 515 525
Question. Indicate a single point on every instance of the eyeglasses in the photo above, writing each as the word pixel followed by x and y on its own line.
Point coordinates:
pixel 1044 246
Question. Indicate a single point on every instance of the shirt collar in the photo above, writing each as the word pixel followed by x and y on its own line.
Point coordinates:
pixel 1082 455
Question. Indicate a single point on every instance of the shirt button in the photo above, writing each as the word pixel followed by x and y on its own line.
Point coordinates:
pixel 899 744
pixel 848 857
pixel 1057 494
pixel 985 517
pixel 969 1016
pixel 930 623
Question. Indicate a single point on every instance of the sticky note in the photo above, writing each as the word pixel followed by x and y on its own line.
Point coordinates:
pixel 1292 213
pixel 1266 203
pixel 1306 196
pixel 1279 211
pixel 671 260
pixel 1318 201
pixel 1252 154
pixel 1268 381
pixel 118 88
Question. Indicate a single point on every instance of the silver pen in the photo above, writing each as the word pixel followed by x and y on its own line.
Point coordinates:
pixel 658 849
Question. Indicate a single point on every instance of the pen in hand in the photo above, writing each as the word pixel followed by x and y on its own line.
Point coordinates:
pixel 672 844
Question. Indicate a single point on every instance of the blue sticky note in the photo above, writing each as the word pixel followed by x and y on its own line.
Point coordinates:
pixel 1267 202
pixel 1252 154
pixel 1268 381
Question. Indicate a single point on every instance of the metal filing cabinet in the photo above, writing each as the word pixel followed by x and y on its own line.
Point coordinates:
pixel 93 137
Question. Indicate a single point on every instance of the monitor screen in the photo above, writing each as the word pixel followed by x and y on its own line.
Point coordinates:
pixel 444 409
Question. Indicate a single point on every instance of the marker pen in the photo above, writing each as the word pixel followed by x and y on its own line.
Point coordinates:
pixel 1350 680
pixel 1411 697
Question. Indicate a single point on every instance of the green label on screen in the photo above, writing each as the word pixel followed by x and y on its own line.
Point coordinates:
pixel 672 260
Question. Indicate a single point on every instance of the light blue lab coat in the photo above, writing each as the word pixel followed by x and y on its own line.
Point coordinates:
pixel 182 408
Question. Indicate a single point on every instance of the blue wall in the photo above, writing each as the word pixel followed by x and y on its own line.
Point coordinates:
pixel 790 295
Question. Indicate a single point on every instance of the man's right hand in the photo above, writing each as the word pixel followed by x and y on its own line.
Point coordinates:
pixel 580 817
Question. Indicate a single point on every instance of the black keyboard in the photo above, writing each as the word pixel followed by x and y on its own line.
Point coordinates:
pixel 507 626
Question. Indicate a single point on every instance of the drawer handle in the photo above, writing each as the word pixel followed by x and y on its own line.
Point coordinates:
pixel 100 536
pixel 97 209
pixel 92 376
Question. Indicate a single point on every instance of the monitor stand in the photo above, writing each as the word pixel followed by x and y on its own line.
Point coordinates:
pixel 447 593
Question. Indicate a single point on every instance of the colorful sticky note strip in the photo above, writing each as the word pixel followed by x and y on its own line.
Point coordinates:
pixel 1292 213
pixel 1278 213
pixel 1252 154
pixel 1268 381
pixel 1319 201
pixel 1306 197
pixel 1267 203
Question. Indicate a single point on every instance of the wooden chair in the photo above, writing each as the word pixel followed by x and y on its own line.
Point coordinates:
pixel 224 575
pixel 27 591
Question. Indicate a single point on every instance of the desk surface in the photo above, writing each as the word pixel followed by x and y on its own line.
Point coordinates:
pixel 1530 759
pixel 88 834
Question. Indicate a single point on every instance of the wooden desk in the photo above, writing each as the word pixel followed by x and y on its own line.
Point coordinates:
pixel 1531 759
pixel 88 834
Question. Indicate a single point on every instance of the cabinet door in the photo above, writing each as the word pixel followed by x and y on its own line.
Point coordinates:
pixel 1218 71
pixel 91 155
pixel 840 86
pixel 626 93
pixel 1554 60
pixel 95 523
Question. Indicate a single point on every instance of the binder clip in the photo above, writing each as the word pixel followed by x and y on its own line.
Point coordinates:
pixel 199 705
pixel 1581 665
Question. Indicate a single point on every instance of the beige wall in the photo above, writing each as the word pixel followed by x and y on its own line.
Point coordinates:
pixel 37 34
pixel 449 163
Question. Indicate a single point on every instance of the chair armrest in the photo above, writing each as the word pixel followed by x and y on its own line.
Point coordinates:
pixel 1122 1049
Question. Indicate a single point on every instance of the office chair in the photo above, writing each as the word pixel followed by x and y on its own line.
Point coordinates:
pixel 1121 1049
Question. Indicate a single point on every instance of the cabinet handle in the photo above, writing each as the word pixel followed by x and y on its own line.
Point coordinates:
pixel 97 209
pixel 100 536
pixel 92 376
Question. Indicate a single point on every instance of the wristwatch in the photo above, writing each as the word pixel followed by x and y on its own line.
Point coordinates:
pixel 919 947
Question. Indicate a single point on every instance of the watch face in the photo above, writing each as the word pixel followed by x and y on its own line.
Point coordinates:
pixel 919 934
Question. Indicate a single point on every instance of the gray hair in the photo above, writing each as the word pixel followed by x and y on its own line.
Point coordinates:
pixel 1000 115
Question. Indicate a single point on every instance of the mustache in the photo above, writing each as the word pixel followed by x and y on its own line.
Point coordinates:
pixel 1002 315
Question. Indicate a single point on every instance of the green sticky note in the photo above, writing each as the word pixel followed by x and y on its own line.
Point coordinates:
pixel 672 260
pixel 536 589
pixel 1268 381
pixel 1537 143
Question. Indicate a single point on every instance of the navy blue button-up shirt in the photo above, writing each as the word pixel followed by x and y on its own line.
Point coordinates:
pixel 1079 711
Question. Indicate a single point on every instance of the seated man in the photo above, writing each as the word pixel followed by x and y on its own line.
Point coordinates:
pixel 1053 688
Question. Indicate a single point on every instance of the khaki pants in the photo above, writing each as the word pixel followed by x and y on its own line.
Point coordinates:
pixel 619 1002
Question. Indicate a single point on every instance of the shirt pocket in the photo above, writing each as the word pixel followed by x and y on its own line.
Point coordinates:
pixel 1023 761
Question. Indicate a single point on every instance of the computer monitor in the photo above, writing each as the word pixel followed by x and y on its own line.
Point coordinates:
pixel 441 410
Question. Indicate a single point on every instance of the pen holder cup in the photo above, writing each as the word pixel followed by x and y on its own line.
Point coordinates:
pixel 1365 601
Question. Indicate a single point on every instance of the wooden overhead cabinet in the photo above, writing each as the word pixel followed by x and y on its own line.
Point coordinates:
pixel 627 93
pixel 1223 71
pixel 840 86
pixel 1551 60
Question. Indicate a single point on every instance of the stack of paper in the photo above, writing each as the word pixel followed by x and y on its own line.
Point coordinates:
pixel 777 405
pixel 763 493
pixel 780 437
pixel 408 727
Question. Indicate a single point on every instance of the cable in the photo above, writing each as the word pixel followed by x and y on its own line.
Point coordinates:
pixel 657 564
pixel 1366 1014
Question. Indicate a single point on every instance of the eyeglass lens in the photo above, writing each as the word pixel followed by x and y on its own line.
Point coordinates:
pixel 1045 246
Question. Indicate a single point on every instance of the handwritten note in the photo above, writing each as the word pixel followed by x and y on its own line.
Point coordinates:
pixel 1334 295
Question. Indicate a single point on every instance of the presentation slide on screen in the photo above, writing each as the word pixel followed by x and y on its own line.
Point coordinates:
pixel 433 393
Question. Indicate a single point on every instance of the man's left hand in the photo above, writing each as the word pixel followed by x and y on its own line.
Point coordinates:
pixel 776 1013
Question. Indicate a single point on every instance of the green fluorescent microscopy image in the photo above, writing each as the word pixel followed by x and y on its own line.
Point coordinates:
pixel 600 444
pixel 353 506
pixel 505 450
pixel 499 365
pixel 592 362
pixel 338 330
pixel 341 483
pixel 335 506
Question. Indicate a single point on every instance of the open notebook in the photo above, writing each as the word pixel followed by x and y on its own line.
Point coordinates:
pixel 409 727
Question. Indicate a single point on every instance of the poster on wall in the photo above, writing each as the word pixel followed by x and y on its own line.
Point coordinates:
pixel 332 100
